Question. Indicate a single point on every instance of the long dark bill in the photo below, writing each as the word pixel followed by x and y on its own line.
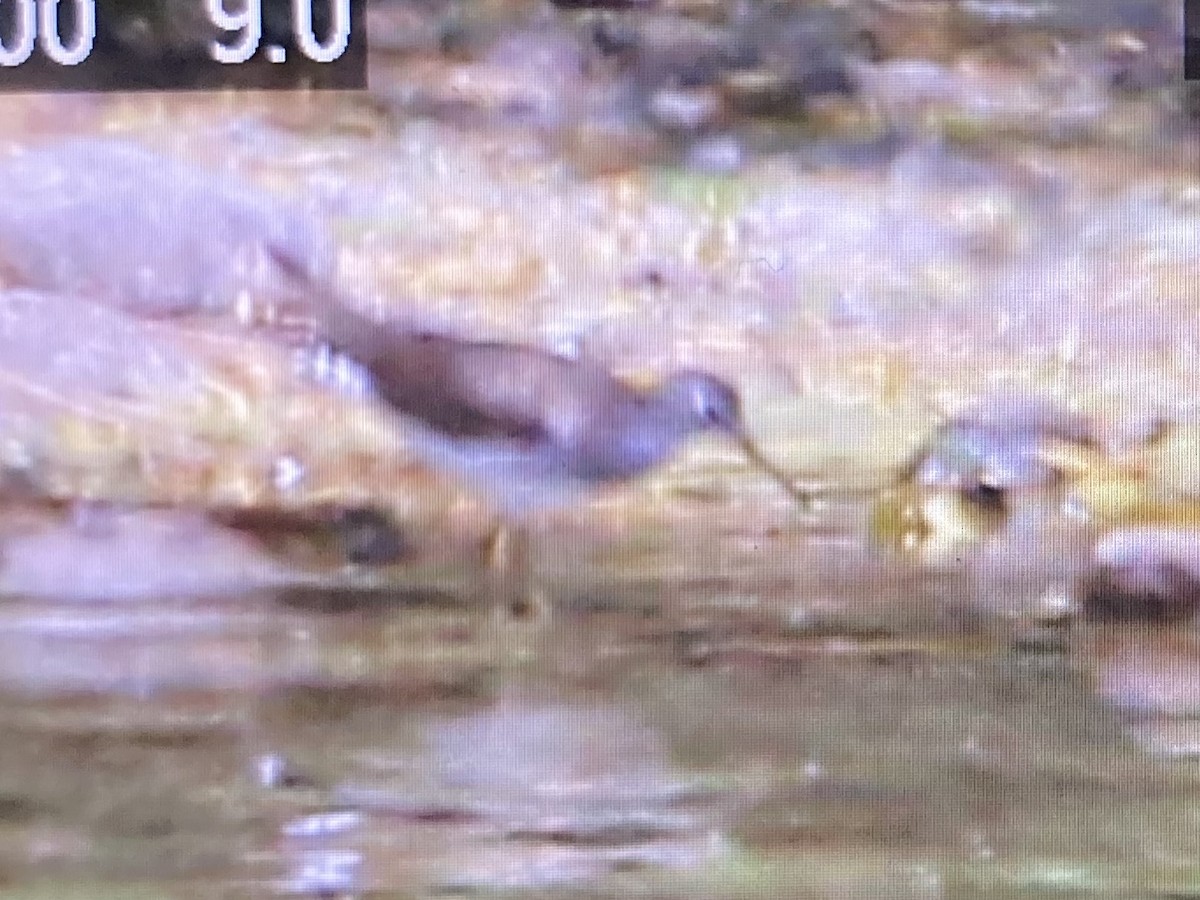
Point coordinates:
pixel 806 496
pixel 755 455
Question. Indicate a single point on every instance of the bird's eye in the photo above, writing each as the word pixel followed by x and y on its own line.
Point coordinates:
pixel 710 408
pixel 717 413
pixel 705 408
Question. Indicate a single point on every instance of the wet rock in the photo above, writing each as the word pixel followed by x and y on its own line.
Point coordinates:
pixel 118 223
pixel 321 537
pixel 1146 672
pixel 78 378
pixel 941 525
pixel 1148 574
pixel 73 348
pixel 1160 594
pixel 130 555
pixel 964 484
pixel 998 446
pixel 369 537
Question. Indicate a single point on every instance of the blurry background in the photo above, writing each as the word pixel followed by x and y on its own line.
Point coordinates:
pixel 238 650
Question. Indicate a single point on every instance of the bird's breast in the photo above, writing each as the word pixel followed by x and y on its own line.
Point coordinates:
pixel 624 453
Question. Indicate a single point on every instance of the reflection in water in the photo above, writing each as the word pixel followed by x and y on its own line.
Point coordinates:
pixel 865 735
pixel 516 795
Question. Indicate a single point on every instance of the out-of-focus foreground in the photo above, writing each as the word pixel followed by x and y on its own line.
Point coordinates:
pixel 951 248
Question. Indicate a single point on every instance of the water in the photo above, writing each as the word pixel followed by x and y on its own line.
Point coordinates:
pixel 730 701
pixel 824 722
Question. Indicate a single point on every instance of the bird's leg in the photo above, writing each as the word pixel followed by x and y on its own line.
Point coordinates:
pixel 497 563
pixel 510 579
pixel 528 601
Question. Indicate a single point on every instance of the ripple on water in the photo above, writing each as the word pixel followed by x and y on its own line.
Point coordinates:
pixel 517 796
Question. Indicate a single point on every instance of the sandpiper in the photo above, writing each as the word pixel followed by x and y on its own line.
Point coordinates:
pixel 530 429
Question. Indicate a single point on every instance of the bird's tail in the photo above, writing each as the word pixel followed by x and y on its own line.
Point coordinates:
pixel 308 315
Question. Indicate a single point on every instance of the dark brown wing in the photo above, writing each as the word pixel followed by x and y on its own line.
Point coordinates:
pixel 485 390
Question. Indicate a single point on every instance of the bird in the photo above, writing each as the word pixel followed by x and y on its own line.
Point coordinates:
pixel 529 429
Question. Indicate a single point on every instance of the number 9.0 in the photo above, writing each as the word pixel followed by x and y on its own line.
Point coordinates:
pixel 247 23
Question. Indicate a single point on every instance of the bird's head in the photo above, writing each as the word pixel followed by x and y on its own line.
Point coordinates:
pixel 702 402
